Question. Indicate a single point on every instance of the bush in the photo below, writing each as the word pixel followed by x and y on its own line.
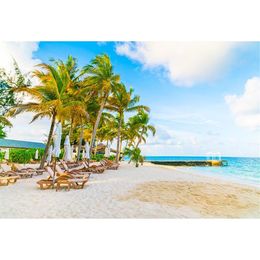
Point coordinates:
pixel 97 157
pixel 24 155
pixel 61 154
pixel 19 156
pixel 2 155
pixel 112 157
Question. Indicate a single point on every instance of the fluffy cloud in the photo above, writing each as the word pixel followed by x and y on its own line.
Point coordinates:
pixel 246 108
pixel 22 52
pixel 186 63
pixel 23 130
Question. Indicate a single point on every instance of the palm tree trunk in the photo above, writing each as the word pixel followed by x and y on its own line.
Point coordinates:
pixel 118 148
pixel 80 143
pixel 140 138
pixel 71 128
pixel 94 133
pixel 48 142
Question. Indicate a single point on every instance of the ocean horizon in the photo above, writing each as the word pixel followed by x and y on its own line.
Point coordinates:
pixel 241 169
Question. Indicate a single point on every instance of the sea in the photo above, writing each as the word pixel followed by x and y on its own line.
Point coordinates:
pixel 240 169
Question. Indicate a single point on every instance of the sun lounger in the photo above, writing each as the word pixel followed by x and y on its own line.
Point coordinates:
pixel 71 180
pixel 109 164
pixel 4 181
pixel 94 168
pixel 79 183
pixel 76 173
pixel 68 183
pixel 13 179
pixel 9 172
pixel 63 184
pixel 78 168
pixel 47 183
pixel 64 180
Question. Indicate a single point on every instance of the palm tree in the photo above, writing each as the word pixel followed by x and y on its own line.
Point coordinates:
pixel 140 126
pixel 48 96
pixel 5 122
pixel 134 156
pixel 122 101
pixel 100 82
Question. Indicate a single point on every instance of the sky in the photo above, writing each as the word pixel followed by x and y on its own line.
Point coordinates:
pixel 204 96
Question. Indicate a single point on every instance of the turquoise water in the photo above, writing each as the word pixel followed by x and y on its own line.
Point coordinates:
pixel 239 168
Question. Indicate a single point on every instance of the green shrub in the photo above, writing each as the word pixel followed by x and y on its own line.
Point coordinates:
pixel 19 156
pixel 112 157
pixel 97 157
pixel 2 155
pixel 24 155
pixel 61 154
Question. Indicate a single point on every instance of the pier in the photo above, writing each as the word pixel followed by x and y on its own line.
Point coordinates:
pixel 193 163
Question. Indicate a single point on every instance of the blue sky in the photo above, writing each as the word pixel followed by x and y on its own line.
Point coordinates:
pixel 203 96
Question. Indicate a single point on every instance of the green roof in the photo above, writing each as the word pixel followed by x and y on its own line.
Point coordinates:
pixel 8 143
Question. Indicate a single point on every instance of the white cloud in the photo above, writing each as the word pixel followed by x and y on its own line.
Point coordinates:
pixel 246 108
pixel 186 63
pixel 23 130
pixel 22 52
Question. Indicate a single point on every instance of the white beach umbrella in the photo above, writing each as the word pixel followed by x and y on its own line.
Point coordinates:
pixel 36 156
pixel 57 140
pixel 48 159
pixel 107 150
pixel 87 151
pixel 71 152
pixel 83 154
pixel 7 154
pixel 67 149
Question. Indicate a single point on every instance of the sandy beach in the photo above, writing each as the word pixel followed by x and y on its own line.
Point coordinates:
pixel 146 192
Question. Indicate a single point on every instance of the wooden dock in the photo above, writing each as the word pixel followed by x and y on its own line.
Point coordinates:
pixel 193 163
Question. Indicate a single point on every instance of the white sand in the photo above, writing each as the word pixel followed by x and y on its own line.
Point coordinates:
pixel 101 198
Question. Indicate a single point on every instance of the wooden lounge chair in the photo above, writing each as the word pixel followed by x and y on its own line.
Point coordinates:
pixel 39 171
pixel 109 164
pixel 94 168
pixel 77 174
pixel 47 183
pixel 13 179
pixel 79 183
pixel 62 182
pixel 69 180
pixel 34 171
pixel 68 183
pixel 74 169
pixel 9 172
pixel 4 181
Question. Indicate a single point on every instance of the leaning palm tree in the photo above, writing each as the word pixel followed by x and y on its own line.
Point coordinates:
pixel 140 125
pixel 48 97
pixel 100 82
pixel 122 101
